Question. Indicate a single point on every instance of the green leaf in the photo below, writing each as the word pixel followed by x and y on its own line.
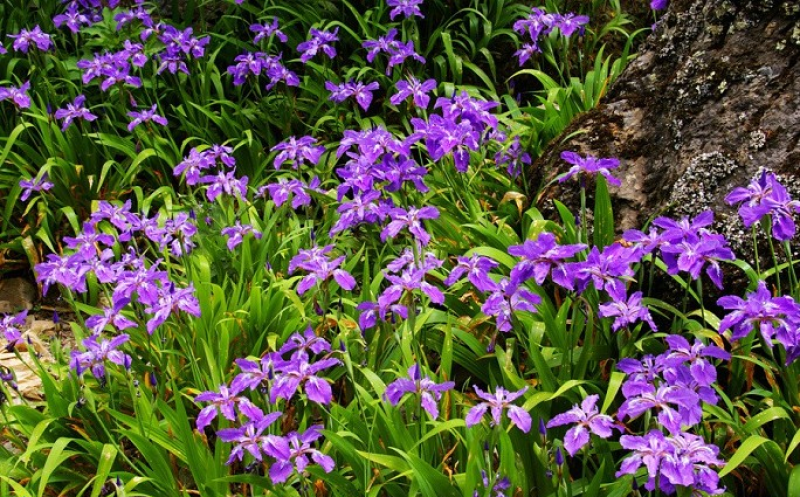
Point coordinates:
pixel 603 215
pixel 747 448
pixel 104 465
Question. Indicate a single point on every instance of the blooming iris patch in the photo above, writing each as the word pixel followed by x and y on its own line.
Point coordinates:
pixel 25 38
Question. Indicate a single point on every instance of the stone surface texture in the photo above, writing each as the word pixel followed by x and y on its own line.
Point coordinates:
pixel 713 96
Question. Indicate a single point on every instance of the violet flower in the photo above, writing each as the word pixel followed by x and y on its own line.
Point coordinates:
pixel 110 316
pixel 477 269
pixel 249 437
pixel 625 310
pixel 293 452
pixel 97 353
pixel 73 18
pixel 589 165
pixel 9 326
pixel 361 92
pixel 222 401
pixel 34 185
pixel 297 151
pixel 299 372
pixel 170 300
pixel 539 256
pixel 430 393
pixel 770 315
pixel 35 36
pixel 227 183
pixel 659 4
pixel 406 8
pixel 321 269
pixel 146 116
pixel 283 189
pixel 412 87
pixel 75 110
pixel 411 219
pixel 765 195
pixel 237 232
pixel 320 40
pixel 18 96
pixel 586 419
pixel 267 30
pixel 514 157
pixel 496 404
pixel 507 298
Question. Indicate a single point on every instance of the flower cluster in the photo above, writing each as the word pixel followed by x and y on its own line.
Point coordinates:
pixel 397 51
pixel 539 24
pixel 774 317
pixel 280 374
pixel 766 196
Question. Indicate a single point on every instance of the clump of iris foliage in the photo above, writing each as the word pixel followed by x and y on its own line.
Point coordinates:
pixel 296 243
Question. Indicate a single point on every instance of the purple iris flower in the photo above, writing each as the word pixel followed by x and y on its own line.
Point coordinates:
pixel 34 185
pixel 320 40
pixel 506 299
pixel 681 460
pixel 411 219
pixel 444 136
pixel 408 280
pixel 361 92
pixel 297 151
pixel 3 50
pixel 589 165
pixel 35 36
pixel 18 96
pixel 267 30
pixel 625 310
pixel 170 300
pixel 321 268
pixel 412 87
pixel 539 256
pixel 227 183
pixel 283 189
pixel 601 268
pixel 586 419
pixel 73 18
pixel 659 4
pixel 223 401
pixel 386 44
pixel 137 13
pixel 430 393
pixel 693 255
pixel 367 208
pixel 569 23
pixel 146 116
pixel 237 232
pixel 9 325
pixel 67 270
pixel 75 110
pixel 293 452
pixel 249 437
pixel 526 51
pixel 496 404
pixel 299 372
pixel 406 8
pixel 514 156
pixel 111 316
pixel 672 401
pixel 765 195
pixel 300 345
pixel 686 228
pixel 477 268
pixel 97 353
pixel 770 315
pixel 193 164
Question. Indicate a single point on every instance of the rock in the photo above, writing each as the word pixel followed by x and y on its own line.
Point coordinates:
pixel 713 97
pixel 16 294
